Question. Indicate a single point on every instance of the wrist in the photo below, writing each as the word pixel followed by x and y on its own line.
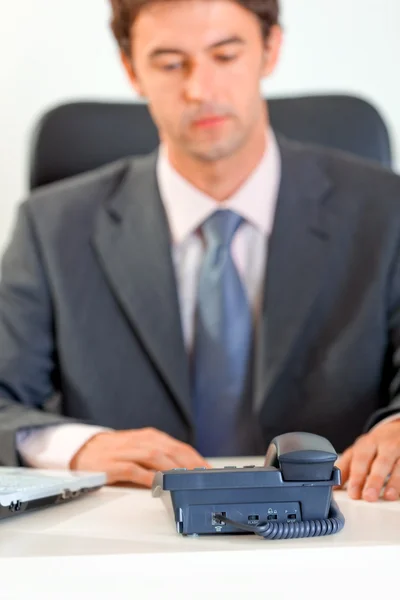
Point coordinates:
pixel 74 464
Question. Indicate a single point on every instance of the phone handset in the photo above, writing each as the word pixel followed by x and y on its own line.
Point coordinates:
pixel 302 457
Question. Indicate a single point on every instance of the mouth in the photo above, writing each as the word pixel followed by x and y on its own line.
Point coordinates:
pixel 211 121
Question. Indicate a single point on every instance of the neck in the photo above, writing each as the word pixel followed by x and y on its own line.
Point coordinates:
pixel 222 178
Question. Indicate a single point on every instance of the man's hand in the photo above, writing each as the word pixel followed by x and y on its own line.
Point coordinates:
pixel 134 456
pixel 372 459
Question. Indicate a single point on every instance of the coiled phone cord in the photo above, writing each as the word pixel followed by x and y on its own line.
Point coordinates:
pixel 297 529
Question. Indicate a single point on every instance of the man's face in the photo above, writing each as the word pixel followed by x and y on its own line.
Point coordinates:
pixel 199 63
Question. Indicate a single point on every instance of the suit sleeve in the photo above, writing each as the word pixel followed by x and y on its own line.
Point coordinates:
pixel 393 354
pixel 28 361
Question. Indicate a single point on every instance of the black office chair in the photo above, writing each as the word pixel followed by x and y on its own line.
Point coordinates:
pixel 80 136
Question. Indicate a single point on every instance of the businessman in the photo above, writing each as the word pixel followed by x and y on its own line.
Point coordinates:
pixel 198 301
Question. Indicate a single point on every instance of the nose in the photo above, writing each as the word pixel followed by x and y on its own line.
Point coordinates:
pixel 199 83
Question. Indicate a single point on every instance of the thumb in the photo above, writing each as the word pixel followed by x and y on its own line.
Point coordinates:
pixel 343 464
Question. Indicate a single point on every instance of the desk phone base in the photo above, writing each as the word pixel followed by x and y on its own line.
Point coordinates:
pixel 292 499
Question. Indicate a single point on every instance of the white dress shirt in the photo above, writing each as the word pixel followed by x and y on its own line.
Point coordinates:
pixel 186 208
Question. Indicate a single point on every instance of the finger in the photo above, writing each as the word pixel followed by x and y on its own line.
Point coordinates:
pixel 364 453
pixel 121 472
pixel 392 491
pixel 381 467
pixel 186 456
pixel 183 454
pixel 150 458
pixel 343 464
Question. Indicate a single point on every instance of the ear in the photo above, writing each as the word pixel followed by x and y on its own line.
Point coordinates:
pixel 130 71
pixel 272 48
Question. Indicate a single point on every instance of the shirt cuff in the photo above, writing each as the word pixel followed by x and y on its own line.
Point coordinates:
pixel 54 447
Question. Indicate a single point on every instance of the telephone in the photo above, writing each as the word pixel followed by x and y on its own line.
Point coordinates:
pixel 290 496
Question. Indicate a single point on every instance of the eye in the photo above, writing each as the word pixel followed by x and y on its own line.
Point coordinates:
pixel 171 66
pixel 226 57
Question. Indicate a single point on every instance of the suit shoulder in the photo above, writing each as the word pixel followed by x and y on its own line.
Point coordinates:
pixel 356 170
pixel 72 204
pixel 80 191
pixel 367 174
pixel 365 180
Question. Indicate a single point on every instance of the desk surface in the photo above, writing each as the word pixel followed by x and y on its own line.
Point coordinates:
pixel 119 536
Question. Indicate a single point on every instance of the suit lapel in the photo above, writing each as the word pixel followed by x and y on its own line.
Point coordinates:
pixel 133 244
pixel 296 265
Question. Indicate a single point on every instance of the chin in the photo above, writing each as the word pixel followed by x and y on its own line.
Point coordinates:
pixel 211 152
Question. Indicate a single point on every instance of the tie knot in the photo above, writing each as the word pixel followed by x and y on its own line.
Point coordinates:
pixel 220 228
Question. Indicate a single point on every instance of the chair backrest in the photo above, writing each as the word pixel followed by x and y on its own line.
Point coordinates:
pixel 80 136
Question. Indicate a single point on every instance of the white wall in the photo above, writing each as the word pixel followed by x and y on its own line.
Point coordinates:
pixel 53 51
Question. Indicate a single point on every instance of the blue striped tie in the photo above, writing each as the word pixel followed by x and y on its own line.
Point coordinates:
pixel 222 340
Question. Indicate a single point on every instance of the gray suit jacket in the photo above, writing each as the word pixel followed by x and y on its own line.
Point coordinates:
pixel 89 316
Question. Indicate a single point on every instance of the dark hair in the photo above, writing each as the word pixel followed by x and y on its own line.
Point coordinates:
pixel 124 13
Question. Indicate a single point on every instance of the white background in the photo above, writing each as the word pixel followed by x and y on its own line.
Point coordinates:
pixel 53 51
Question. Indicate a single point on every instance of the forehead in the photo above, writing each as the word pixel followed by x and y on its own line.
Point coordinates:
pixel 191 24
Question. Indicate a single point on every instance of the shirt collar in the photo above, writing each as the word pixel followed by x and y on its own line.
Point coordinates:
pixel 187 207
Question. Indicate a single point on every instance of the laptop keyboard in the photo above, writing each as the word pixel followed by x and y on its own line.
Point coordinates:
pixel 18 483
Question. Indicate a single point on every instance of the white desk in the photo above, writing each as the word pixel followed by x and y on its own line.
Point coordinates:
pixel 120 543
